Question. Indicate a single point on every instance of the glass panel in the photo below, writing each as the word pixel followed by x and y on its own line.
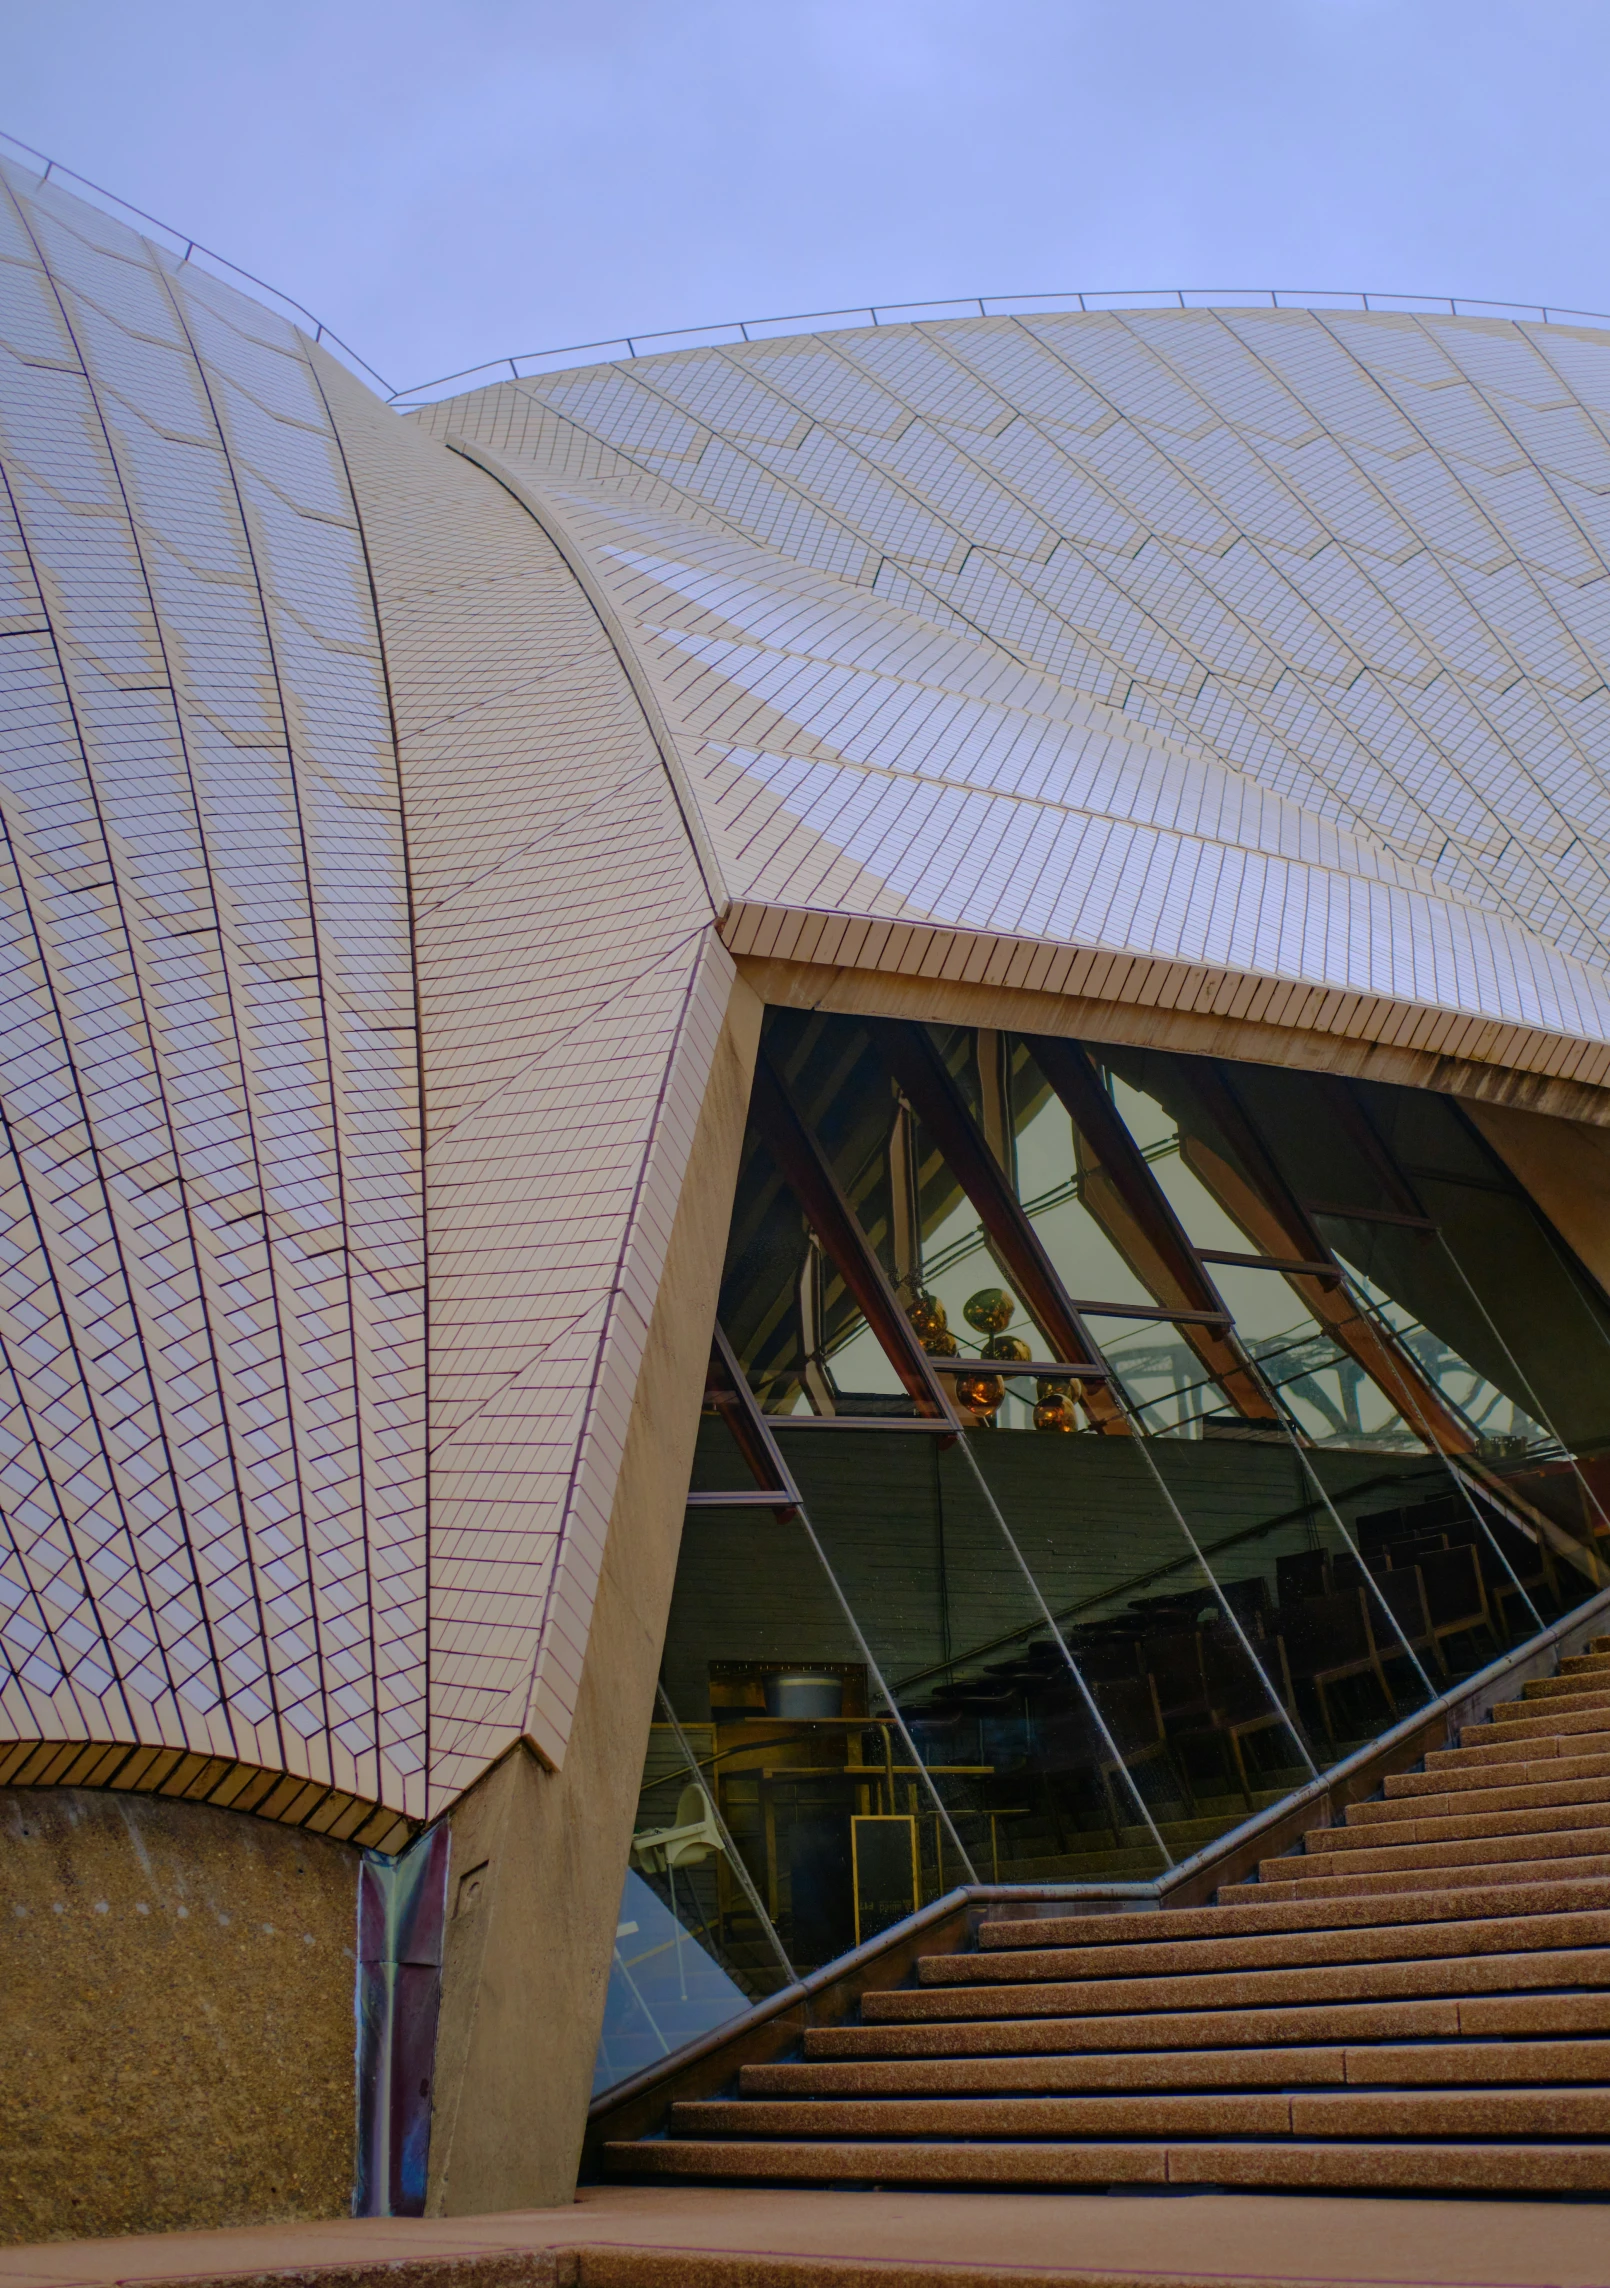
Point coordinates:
pixel 1120 1642
pixel 692 1944
pixel 666 1986
pixel 758 1656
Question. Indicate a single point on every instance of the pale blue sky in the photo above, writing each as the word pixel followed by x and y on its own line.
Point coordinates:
pixel 447 180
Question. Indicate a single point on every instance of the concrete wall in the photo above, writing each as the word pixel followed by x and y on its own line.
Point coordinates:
pixel 176 2016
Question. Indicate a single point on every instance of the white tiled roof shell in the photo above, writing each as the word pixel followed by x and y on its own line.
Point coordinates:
pixel 572 989
pixel 1273 643
pixel 212 1466
pixel 329 821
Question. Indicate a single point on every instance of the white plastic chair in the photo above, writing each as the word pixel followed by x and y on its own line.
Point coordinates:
pixel 692 1840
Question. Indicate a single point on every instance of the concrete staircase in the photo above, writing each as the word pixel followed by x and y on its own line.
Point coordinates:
pixel 1420 2001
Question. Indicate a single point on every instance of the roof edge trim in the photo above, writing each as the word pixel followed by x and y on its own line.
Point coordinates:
pixel 1247 1000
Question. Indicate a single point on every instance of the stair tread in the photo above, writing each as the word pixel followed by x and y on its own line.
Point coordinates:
pixel 1453 1975
pixel 1438 2064
pixel 1541 1722
pixel 1252 1912
pixel 1547 2112
pixel 1478 1879
pixel 1412 2019
pixel 1380 1857
pixel 1481 1746
pixel 1484 2166
pixel 1525 1771
pixel 1465 1826
pixel 1323 1942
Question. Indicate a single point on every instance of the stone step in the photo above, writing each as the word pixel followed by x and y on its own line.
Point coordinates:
pixel 1450 2065
pixel 1378 1856
pixel 1252 1911
pixel 1523 1720
pixel 1199 1956
pixel 1459 1975
pixel 1409 2166
pixel 1482 1745
pixel 1507 1793
pixel 1460 1827
pixel 1548 2112
pixel 1594 1685
pixel 1531 1875
pixel 1496 2017
pixel 1526 1771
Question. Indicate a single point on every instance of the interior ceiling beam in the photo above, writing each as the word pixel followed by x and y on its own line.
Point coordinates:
pixel 810 1176
pixel 1135 1212
pixel 726 1388
pixel 939 1104
pixel 1408 1210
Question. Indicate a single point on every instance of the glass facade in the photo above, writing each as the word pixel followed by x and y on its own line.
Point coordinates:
pixel 1099 1443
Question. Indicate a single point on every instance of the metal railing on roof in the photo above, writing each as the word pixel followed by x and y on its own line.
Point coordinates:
pixel 526 363
pixel 191 250
pixel 619 348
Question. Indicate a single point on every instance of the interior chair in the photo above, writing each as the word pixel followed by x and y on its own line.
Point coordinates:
pixel 1326 1641
pixel 1418 1545
pixel 1112 1655
pixel 1175 1663
pixel 1249 1601
pixel 1454 1595
pixel 1178 1607
pixel 1132 1716
pixel 1238 1702
pixel 1401 1589
pixel 1533 1566
pixel 1302 1573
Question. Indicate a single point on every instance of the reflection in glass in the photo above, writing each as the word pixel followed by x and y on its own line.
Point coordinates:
pixel 666 1986
pixel 1064 1643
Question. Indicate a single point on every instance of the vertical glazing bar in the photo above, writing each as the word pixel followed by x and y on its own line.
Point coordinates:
pixel 741 1874
pixel 925 1080
pixel 1063 1647
pixel 878 1678
pixel 1530 1387
pixel 1461 1483
pixel 1368 1577
pixel 1133 1209
pixel 808 1172
pixel 1143 1446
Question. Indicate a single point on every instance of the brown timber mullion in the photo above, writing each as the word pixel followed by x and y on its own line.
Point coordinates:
pixel 1171 1259
pixel 1263 1203
pixel 1408 1210
pixel 1231 1117
pixel 809 1174
pixel 938 1103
